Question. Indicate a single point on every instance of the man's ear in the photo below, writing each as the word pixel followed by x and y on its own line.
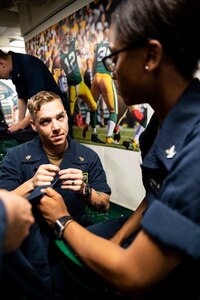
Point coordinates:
pixel 154 54
pixel 33 125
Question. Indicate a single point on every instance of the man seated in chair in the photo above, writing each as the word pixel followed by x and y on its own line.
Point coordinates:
pixel 75 171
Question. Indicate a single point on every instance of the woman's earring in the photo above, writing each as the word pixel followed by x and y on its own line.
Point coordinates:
pixel 146 68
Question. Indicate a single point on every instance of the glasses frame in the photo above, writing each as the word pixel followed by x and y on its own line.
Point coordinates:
pixel 127 48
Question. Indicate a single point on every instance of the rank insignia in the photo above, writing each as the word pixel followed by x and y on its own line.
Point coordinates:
pixel 170 152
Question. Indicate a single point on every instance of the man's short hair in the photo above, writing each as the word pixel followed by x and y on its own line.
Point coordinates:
pixel 36 101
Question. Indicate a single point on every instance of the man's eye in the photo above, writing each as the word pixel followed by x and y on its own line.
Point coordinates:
pixel 44 122
pixel 60 118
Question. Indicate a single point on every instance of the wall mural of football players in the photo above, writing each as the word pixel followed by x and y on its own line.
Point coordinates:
pixel 73 50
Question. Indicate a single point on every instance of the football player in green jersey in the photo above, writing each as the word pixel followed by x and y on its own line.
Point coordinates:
pixel 67 60
pixel 103 85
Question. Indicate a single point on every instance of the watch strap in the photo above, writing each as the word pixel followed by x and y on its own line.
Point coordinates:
pixel 87 190
pixel 63 220
pixel 59 225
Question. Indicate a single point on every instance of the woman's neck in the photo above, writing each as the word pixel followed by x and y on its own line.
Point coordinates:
pixel 168 93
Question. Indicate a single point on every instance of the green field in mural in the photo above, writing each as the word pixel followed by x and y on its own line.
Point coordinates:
pixel 126 135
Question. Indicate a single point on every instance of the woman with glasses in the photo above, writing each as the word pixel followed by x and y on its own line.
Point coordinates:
pixel 154 57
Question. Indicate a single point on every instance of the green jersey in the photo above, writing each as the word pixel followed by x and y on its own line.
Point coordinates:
pixel 101 50
pixel 69 64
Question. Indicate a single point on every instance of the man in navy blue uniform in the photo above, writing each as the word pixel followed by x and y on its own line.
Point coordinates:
pixel 51 159
pixel 29 75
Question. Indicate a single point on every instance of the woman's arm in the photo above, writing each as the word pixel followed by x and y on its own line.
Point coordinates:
pixel 132 271
pixel 131 225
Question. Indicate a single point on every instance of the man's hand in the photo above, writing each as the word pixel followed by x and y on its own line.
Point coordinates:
pixel 14 127
pixel 19 219
pixel 44 175
pixel 72 179
pixel 52 206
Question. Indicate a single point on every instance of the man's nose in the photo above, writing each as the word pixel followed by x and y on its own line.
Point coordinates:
pixel 55 124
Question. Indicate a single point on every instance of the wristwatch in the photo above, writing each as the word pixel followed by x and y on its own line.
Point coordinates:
pixel 87 191
pixel 60 225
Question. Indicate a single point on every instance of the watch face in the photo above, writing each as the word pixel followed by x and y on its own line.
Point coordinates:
pixel 58 229
pixel 60 225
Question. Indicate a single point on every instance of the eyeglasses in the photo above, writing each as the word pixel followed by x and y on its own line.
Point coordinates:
pixel 108 61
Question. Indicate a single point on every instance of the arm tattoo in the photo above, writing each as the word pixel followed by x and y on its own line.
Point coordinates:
pixel 100 205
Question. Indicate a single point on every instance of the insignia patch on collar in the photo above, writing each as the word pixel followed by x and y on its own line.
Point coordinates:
pixel 170 152
pixel 85 177
pixel 28 157
pixel 81 158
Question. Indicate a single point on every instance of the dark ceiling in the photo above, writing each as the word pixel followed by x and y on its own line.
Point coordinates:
pixel 6 4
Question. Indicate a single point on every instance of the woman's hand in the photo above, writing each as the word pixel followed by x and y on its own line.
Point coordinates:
pixel 52 206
